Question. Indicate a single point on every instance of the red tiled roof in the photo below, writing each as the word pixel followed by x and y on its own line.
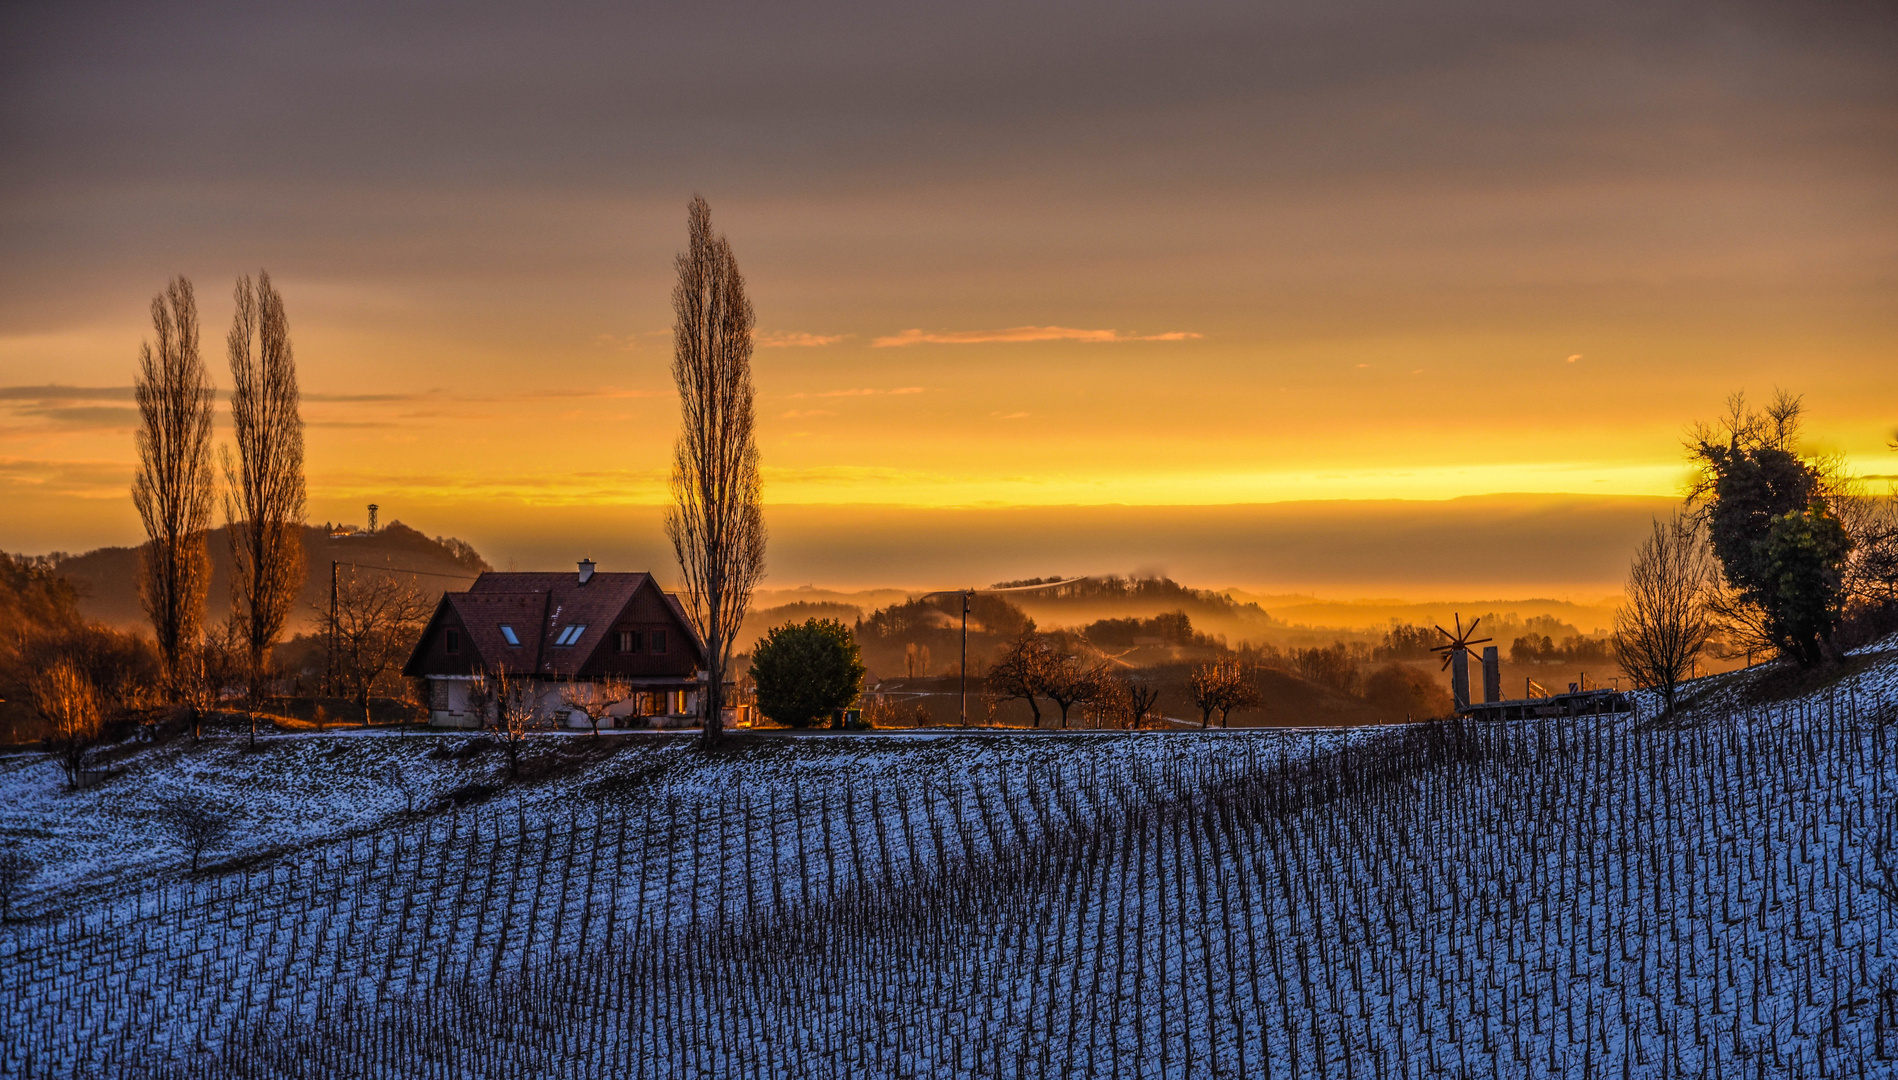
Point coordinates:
pixel 483 615
pixel 539 607
pixel 566 602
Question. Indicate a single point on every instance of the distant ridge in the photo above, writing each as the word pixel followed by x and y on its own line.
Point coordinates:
pixel 107 578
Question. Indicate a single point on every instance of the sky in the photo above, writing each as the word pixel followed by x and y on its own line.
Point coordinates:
pixel 1004 257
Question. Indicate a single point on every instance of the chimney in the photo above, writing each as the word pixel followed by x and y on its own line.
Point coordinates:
pixel 586 570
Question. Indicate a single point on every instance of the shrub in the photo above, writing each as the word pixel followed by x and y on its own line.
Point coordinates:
pixel 807 671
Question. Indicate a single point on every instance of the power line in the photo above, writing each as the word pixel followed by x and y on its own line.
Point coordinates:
pixel 405 570
pixel 330 675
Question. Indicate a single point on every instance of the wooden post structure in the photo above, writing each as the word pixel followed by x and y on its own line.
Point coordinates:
pixel 1492 674
pixel 1460 678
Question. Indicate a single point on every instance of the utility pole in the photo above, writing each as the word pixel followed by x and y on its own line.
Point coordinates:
pixel 967 595
pixel 968 598
pixel 330 678
pixel 962 669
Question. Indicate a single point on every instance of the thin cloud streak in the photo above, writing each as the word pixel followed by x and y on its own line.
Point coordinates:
pixel 1019 334
pixel 791 340
pixel 56 392
pixel 865 391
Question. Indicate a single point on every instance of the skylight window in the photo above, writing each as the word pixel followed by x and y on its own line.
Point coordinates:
pixel 508 633
pixel 571 634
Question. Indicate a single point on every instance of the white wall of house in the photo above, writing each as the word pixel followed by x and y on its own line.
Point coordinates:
pixel 449 704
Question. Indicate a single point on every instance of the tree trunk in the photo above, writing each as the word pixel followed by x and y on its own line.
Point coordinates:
pixel 714 727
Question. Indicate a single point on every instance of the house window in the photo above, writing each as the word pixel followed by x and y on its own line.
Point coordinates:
pixel 628 641
pixel 454 640
pixel 571 634
pixel 507 632
pixel 658 641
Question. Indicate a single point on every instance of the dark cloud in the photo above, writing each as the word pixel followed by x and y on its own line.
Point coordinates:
pixel 499 139
pixel 104 416
pixel 644 97
pixel 50 393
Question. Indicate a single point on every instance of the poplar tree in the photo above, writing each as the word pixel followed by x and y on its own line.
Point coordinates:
pixel 716 523
pixel 264 492
pixel 173 486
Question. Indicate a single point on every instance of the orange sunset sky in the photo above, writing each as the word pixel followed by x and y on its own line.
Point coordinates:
pixel 1169 259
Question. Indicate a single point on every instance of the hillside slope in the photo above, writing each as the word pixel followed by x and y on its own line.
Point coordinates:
pixel 1610 897
pixel 107 578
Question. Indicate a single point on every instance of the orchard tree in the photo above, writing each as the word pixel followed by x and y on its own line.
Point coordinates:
pixel 195 825
pixel 807 672
pixel 66 697
pixel 1069 680
pixel 510 705
pixel 1021 671
pixel 371 627
pixel 594 699
pixel 1665 624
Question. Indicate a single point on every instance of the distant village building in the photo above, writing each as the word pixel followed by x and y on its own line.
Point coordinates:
pixel 558 628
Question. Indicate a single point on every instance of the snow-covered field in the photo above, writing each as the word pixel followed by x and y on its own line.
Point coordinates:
pixel 1586 898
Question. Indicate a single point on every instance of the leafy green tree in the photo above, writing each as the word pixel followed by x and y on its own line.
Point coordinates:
pixel 806 672
pixel 1804 562
pixel 1781 549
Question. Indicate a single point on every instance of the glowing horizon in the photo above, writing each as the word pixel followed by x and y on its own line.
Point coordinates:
pixel 1224 257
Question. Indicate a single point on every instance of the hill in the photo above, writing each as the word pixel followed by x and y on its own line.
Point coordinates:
pixel 107 578
pixel 1613 897
pixel 1085 600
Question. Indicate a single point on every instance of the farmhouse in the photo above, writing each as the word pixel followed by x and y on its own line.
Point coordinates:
pixel 558 628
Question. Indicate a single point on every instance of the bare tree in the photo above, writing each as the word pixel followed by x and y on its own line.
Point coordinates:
pixel 717 523
pixel 376 622
pixel 594 699
pixel 1137 698
pixel 263 493
pixel 15 868
pixel 1207 684
pixel 1069 680
pixel 212 664
pixel 173 487
pixel 510 705
pixel 1871 571
pixel 1021 672
pixel 68 701
pixel 1241 692
pixel 195 825
pixel 1221 686
pixel 1667 620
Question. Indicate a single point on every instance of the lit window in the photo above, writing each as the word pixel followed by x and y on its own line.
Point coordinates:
pixel 629 641
pixel 658 641
pixel 508 633
pixel 571 634
pixel 454 640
